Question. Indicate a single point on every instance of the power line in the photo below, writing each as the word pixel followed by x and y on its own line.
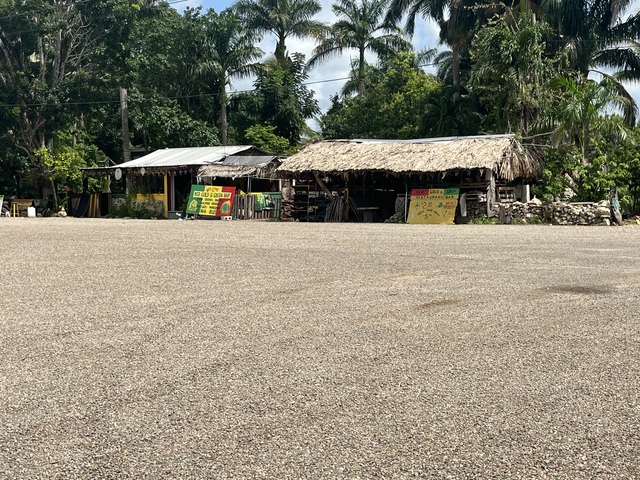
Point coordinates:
pixel 176 97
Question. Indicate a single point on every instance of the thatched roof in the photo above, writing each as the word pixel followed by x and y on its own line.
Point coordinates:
pixel 501 153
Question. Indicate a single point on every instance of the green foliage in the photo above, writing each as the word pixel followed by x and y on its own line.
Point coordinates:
pixel 61 65
pixel 283 19
pixel 361 27
pixel 280 99
pixel 166 125
pixel 483 220
pixel 581 113
pixel 229 53
pixel 613 165
pixel 511 70
pixel 131 209
pixel 556 176
pixel 401 102
pixel 595 36
pixel 264 138
pixel 60 165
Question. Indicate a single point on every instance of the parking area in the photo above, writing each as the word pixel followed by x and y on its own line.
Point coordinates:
pixel 208 349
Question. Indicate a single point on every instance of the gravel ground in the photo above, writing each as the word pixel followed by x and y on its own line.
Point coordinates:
pixel 158 349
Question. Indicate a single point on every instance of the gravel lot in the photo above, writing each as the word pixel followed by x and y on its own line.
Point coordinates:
pixel 175 349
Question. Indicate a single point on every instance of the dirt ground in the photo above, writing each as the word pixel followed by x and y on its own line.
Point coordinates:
pixel 202 349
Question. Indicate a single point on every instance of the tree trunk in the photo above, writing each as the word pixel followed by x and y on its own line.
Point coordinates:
pixel 281 49
pixel 55 195
pixel 455 71
pixel 586 143
pixel 57 59
pixel 124 118
pixel 361 73
pixel 223 116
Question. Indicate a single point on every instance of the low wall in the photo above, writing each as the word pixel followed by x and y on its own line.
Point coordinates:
pixel 557 213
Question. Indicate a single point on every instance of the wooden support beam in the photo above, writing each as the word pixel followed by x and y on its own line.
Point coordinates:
pixel 491 191
pixel 321 183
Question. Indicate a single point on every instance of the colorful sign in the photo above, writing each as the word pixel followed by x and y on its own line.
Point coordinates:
pixel 264 200
pixel 433 205
pixel 210 200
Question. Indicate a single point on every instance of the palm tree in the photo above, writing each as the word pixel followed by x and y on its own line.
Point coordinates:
pixel 229 53
pixel 360 27
pixel 593 35
pixel 584 110
pixel 456 29
pixel 282 18
pixel 512 69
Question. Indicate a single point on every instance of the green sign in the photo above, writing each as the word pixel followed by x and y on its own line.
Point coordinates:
pixel 210 200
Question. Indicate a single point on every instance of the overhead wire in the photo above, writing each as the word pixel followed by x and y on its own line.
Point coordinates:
pixel 176 97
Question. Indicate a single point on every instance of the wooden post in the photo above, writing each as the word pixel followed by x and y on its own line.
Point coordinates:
pixel 491 191
pixel 406 198
pixel 167 195
pixel 526 192
pixel 322 185
pixel 124 112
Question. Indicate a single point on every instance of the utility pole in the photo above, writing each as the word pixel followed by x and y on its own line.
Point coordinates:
pixel 124 111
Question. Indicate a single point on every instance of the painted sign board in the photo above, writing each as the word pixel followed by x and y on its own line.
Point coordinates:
pixel 210 200
pixel 433 205
pixel 265 199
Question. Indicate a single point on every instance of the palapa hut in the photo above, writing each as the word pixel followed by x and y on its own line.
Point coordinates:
pixel 372 174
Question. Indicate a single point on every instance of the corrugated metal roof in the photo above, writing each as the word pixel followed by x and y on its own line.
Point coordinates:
pixel 182 157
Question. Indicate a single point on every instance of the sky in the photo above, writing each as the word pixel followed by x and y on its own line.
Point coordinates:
pixel 425 36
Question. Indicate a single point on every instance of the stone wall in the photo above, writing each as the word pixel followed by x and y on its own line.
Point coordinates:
pixel 557 213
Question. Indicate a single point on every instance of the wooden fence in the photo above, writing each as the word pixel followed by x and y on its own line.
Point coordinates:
pixel 244 208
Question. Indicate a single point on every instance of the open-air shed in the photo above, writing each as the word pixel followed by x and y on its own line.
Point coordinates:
pixel 164 178
pixel 376 172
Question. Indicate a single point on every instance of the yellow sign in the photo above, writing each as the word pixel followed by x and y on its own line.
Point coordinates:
pixel 210 200
pixel 433 206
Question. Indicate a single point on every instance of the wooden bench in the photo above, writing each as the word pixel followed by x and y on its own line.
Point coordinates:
pixel 20 204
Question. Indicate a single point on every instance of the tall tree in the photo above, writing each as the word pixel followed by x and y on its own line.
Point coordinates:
pixel 511 71
pixel 45 52
pixel 360 27
pixel 417 61
pixel 398 104
pixel 280 99
pixel 170 101
pixel 44 49
pixel 283 19
pixel 456 18
pixel 583 111
pixel 230 53
pixel 595 35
